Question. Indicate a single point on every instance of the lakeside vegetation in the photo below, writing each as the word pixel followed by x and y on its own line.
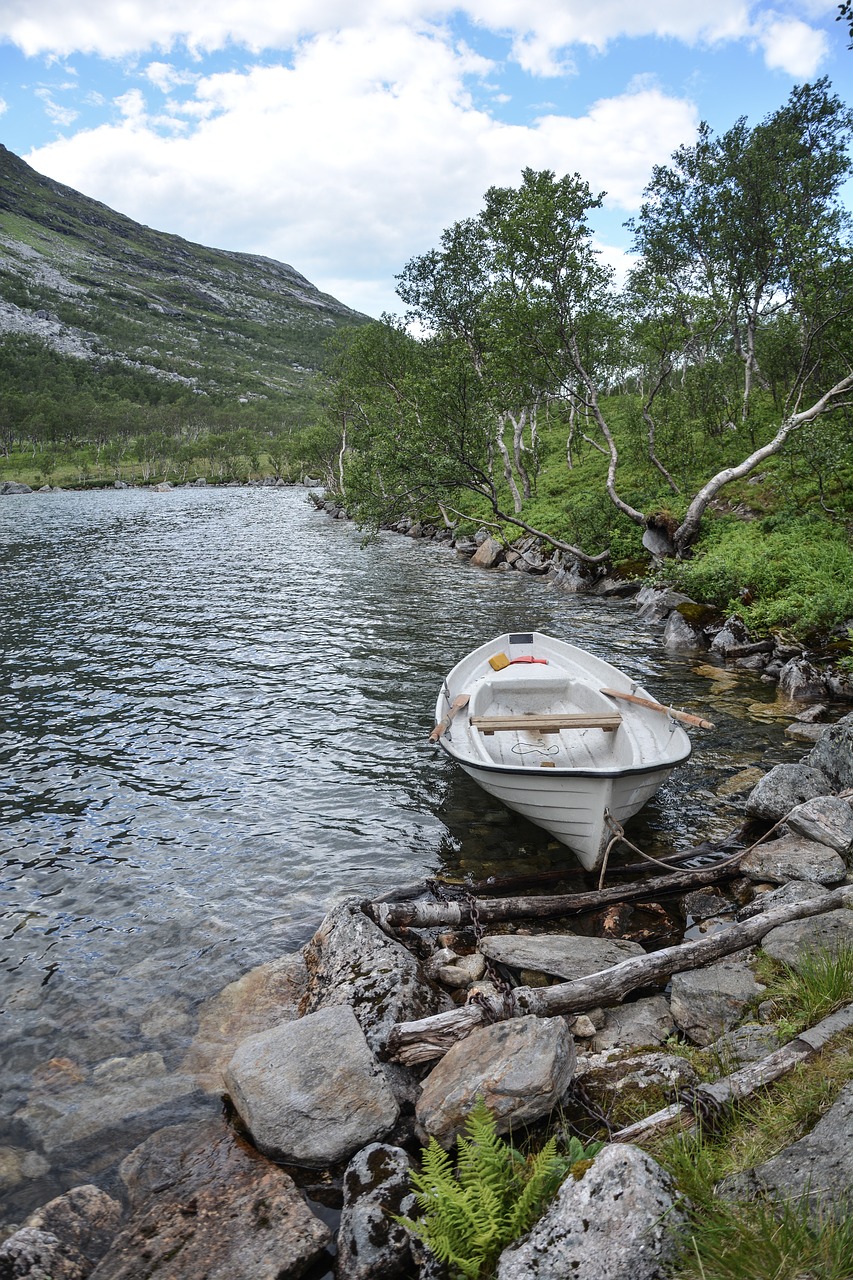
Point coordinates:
pixel 702 412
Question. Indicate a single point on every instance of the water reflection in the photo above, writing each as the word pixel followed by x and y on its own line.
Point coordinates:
pixel 215 713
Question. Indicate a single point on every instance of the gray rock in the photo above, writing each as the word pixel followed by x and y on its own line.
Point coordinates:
pixel 657 603
pixel 833 756
pixel 791 942
pixel 30 1254
pixel 644 1022
pixel 791 891
pixel 311 1092
pixel 563 955
pixel 488 553
pixel 785 786
pixel 114 1111
pixel 680 636
pixel 793 858
pixel 163 487
pixel 706 1002
pixel 748 1043
pixel 18 1165
pixel 84 1220
pixel 828 820
pixel 731 635
pixel 798 732
pixel 465 546
pixel 800 681
pixel 119 484
pixel 619 1222
pixel 207 1206
pixel 350 961
pixel 657 541
pixel 820 1165
pixel 702 904
pixel 371 1245
pixel 521 1068
pixel 14 486
pixel 613 1071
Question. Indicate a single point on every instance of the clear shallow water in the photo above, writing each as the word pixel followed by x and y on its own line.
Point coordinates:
pixel 215 711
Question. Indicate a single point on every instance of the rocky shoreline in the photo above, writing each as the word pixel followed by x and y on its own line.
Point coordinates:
pixel 321 1109
pixel 323 1118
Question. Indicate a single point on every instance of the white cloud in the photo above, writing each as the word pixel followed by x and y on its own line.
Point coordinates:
pixel 792 46
pixel 62 116
pixel 354 158
pixel 4 106
pixel 542 30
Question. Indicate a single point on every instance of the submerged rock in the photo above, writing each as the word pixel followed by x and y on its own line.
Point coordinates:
pixel 206 1206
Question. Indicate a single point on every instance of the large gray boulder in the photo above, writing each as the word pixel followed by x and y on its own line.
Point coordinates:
pixel 801 681
pixel 206 1206
pixel 820 1165
pixel 827 820
pixel 707 1002
pixel 791 942
pixel 311 1092
pixel 793 858
pixel 371 1245
pixel 785 786
pixel 832 755
pixel 488 554
pixel 682 636
pixel 562 955
pixel 619 1222
pixel 350 961
pixel 521 1068
pixel 657 603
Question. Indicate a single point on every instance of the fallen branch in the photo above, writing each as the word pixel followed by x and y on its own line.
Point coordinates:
pixel 408 1040
pixel 427 915
pixel 742 1083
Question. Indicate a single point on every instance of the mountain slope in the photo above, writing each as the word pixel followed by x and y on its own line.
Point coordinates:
pixel 94 284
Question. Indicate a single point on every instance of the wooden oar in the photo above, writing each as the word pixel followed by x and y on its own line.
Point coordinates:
pixel 658 706
pixel 455 707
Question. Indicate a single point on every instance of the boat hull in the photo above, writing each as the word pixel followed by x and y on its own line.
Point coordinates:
pixel 574 783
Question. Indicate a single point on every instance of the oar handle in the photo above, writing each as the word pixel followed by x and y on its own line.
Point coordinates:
pixel 683 716
pixel 455 707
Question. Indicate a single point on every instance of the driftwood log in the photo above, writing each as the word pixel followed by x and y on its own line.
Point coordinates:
pixel 427 915
pixel 412 1042
pixel 742 1083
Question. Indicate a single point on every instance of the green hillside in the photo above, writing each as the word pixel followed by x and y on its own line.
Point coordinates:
pixel 111 331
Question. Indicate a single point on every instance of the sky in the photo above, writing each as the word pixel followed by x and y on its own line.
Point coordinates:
pixel 342 136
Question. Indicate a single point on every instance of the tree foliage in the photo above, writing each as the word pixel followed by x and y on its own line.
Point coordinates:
pixel 731 336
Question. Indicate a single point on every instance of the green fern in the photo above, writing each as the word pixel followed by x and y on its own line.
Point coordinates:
pixel 492 1196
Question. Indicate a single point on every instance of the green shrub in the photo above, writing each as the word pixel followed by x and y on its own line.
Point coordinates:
pixel 797 572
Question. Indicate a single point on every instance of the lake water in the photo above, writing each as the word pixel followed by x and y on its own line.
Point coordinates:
pixel 215 712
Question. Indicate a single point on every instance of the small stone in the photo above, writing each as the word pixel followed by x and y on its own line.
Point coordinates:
pixel 583 1028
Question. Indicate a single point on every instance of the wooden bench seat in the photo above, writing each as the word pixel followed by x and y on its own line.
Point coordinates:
pixel 547 723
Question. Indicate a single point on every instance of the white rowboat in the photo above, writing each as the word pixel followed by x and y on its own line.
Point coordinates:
pixel 559 736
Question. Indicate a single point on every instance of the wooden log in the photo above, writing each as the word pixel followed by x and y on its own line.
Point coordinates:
pixel 610 986
pixel 455 707
pixel 428 915
pixel 684 716
pixel 743 1082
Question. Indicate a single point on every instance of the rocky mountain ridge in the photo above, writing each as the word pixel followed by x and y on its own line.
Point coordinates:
pixel 94 284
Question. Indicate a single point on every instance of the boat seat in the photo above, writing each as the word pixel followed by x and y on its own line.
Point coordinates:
pixel 547 723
